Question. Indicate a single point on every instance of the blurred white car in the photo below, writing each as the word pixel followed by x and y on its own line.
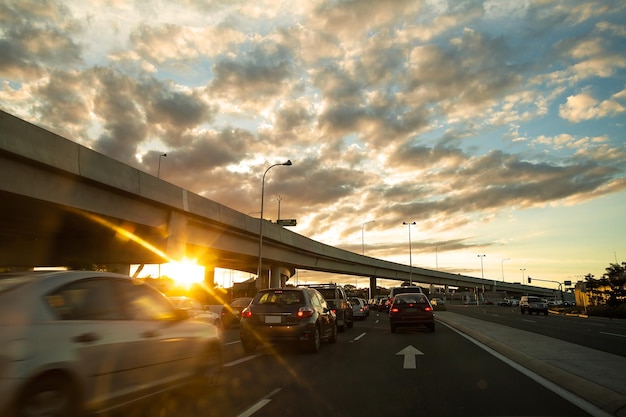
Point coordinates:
pixel 75 342
pixel 197 310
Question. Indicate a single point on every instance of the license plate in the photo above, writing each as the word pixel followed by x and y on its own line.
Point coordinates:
pixel 411 310
pixel 272 319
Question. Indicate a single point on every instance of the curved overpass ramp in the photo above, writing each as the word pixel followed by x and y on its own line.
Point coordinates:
pixel 63 203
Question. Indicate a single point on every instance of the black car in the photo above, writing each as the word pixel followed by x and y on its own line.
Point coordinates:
pixel 411 310
pixel 288 315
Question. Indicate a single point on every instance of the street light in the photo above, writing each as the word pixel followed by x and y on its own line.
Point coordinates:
pixel 362 236
pixel 259 270
pixel 506 259
pixel 410 255
pixel 159 169
pixel 481 265
pixel 522 269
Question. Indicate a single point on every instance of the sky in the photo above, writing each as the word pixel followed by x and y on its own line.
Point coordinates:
pixel 496 126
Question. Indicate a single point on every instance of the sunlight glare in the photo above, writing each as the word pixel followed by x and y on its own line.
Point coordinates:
pixel 184 273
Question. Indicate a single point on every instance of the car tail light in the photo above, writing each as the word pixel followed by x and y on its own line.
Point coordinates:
pixel 428 308
pixel 246 314
pixel 395 310
pixel 305 312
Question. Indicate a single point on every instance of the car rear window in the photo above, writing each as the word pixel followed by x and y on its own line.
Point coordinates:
pixel 411 299
pixel 280 297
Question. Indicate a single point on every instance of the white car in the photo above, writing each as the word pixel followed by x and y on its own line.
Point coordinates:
pixel 359 308
pixel 197 310
pixel 76 342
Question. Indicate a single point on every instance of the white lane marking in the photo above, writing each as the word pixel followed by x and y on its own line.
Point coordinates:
pixel 242 360
pixel 529 321
pixel 409 353
pixel 259 404
pixel 232 343
pixel 614 334
pixel 561 392
pixel 358 337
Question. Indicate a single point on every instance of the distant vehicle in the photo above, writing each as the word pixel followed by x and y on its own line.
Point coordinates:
pixel 505 302
pixel 79 342
pixel 404 290
pixel 359 308
pixel 196 310
pixel 288 315
pixel 411 310
pixel 530 304
pixel 437 302
pixel 231 313
pixel 337 300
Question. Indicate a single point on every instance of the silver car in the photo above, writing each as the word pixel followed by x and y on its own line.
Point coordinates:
pixel 74 341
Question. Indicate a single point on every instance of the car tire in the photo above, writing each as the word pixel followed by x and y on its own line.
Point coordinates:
pixel 393 329
pixel 49 395
pixel 431 327
pixel 545 313
pixel 333 334
pixel 314 343
pixel 351 323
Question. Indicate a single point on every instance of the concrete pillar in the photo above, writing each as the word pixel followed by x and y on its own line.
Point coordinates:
pixel 372 287
pixel 279 276
pixel 209 277
pixel 119 268
pixel 177 236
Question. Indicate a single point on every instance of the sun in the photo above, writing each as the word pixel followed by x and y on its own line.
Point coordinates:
pixel 184 273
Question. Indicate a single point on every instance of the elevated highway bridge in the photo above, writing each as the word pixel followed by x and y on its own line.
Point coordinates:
pixel 65 204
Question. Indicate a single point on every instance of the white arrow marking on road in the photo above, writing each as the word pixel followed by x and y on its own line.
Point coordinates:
pixel 409 353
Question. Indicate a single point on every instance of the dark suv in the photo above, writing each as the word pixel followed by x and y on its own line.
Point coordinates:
pixel 338 301
pixel 287 315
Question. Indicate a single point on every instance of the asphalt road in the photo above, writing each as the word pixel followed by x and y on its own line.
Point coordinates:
pixel 365 374
pixel 602 334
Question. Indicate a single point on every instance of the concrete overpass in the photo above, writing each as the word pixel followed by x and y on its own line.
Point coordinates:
pixel 65 204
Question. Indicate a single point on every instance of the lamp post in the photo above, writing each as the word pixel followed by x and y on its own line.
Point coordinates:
pixel 363 237
pixel 522 269
pixel 481 265
pixel 410 254
pixel 159 169
pixel 502 262
pixel 259 268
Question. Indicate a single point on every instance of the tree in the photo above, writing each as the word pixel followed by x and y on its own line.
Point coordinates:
pixel 615 280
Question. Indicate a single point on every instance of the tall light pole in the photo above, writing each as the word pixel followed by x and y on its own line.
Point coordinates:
pixel 522 269
pixel 502 262
pixel 410 254
pixel 159 169
pixel 363 237
pixel 259 268
pixel 481 265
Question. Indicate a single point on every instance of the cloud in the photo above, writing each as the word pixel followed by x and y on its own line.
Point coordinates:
pixel 583 107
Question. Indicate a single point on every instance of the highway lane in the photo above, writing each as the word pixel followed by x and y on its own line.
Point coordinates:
pixel 602 334
pixel 364 374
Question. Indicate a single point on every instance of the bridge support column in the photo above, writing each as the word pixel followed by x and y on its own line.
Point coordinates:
pixel 119 268
pixel 209 277
pixel 279 276
pixel 372 287
pixel 177 236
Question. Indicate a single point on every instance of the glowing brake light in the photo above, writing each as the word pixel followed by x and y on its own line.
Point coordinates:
pixel 246 314
pixel 427 308
pixel 305 312
pixel 395 310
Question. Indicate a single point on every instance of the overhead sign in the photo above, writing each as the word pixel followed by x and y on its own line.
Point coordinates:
pixel 286 222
